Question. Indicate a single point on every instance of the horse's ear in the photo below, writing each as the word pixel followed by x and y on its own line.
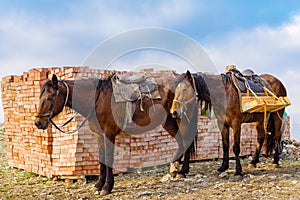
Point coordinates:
pixel 188 75
pixel 55 81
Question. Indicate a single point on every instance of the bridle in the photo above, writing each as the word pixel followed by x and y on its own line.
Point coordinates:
pixel 50 114
pixel 184 104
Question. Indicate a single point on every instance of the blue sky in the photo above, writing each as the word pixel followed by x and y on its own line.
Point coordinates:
pixel 263 35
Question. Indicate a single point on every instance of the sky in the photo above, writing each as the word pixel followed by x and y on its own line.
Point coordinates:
pixel 262 35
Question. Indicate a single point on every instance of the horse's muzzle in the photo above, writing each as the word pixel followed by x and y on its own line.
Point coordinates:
pixel 41 124
pixel 175 114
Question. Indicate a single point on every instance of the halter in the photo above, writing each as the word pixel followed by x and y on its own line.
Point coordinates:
pixel 184 103
pixel 49 115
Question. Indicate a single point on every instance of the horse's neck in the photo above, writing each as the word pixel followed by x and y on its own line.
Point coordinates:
pixel 217 89
pixel 81 95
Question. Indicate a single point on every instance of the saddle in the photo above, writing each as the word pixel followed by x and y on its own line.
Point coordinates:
pixel 133 88
pixel 130 89
pixel 248 80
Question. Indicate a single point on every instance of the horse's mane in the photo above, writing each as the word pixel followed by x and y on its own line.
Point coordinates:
pixel 201 87
pixel 202 91
pixel 227 79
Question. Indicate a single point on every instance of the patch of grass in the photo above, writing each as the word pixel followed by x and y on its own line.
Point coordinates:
pixel 29 174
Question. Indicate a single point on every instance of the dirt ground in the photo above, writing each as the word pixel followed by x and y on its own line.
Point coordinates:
pixel 203 182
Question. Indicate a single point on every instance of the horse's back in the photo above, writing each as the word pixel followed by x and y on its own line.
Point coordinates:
pixel 275 84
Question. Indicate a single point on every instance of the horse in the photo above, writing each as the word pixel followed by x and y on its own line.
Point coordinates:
pixel 104 116
pixel 220 92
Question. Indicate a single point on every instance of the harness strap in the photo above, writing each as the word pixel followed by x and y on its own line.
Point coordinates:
pixel 265 118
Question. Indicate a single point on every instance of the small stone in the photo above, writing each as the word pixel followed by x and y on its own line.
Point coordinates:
pixel 223 175
pixel 286 175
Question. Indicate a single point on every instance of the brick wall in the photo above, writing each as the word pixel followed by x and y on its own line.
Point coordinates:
pixel 52 153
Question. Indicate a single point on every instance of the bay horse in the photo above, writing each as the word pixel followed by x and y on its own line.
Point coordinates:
pixel 104 114
pixel 220 92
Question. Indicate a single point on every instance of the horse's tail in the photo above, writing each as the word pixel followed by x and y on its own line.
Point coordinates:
pixel 270 143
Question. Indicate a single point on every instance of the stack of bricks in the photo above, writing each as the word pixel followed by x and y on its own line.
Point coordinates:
pixel 52 153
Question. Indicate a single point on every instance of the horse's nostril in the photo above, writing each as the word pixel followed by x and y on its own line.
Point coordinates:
pixel 174 114
pixel 38 123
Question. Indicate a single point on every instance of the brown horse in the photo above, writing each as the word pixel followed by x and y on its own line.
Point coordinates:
pixel 220 92
pixel 104 115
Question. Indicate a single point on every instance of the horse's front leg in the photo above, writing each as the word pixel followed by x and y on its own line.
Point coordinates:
pixel 236 149
pixel 260 141
pixel 186 161
pixel 174 165
pixel 189 130
pixel 171 126
pixel 109 160
pixel 225 143
pixel 102 175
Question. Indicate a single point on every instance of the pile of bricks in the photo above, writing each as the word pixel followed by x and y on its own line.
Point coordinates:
pixel 52 153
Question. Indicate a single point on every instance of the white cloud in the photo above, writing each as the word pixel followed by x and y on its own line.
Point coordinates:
pixel 266 49
pixel 31 39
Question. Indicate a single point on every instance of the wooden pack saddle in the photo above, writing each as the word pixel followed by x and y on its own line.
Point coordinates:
pixel 255 93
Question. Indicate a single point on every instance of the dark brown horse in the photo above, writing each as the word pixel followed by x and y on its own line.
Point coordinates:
pixel 105 116
pixel 220 92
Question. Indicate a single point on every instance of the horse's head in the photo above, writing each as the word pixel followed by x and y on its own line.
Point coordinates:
pixel 52 102
pixel 184 95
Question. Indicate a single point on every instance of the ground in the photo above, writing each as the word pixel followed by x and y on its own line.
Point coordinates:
pixel 203 182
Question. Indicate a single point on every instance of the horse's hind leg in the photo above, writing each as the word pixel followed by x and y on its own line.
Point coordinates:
pixel 236 149
pixel 260 141
pixel 225 144
pixel 277 123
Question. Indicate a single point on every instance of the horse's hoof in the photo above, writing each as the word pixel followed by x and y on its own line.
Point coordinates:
pixel 104 192
pixel 174 174
pixel 223 168
pixel 238 174
pixel 98 185
pixel 180 176
pixel 251 166
pixel 174 168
